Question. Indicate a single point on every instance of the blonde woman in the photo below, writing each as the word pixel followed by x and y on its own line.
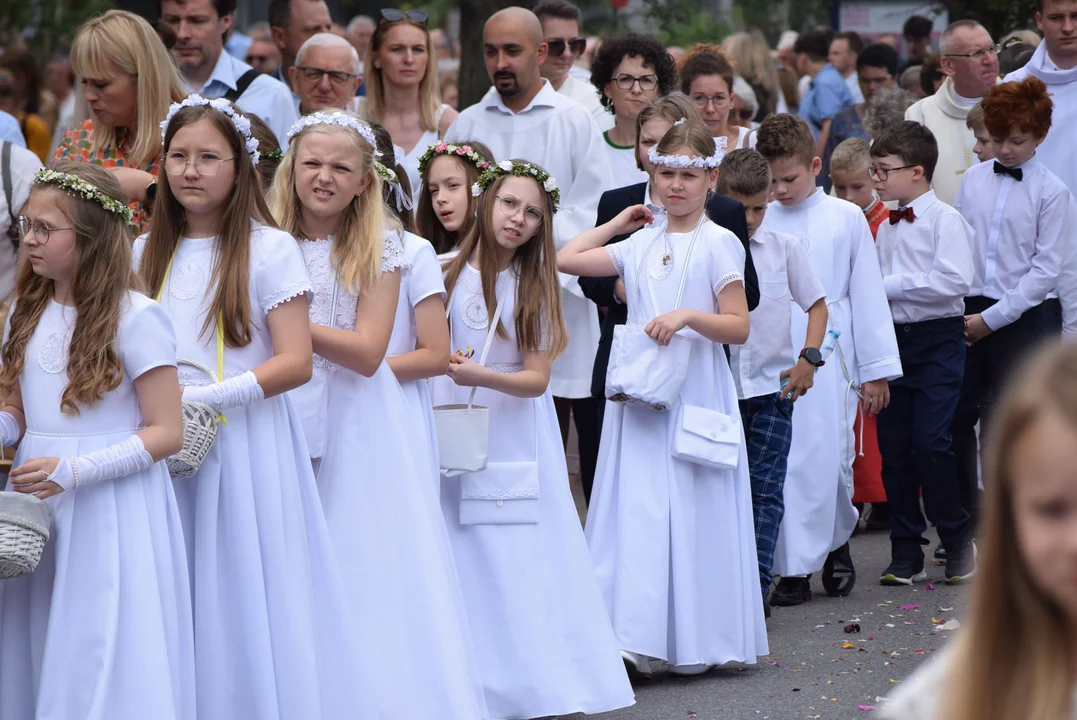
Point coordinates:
pixel 127 80
pixel 749 55
pixel 402 86
pixel 1015 655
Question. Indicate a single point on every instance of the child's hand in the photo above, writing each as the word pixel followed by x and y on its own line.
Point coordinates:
pixel 801 379
pixel 975 329
pixel 664 327
pixel 32 478
pixel 464 371
pixel 632 219
pixel 876 396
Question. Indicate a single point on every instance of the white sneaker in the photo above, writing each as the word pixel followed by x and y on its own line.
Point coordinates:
pixel 637 662
pixel 690 669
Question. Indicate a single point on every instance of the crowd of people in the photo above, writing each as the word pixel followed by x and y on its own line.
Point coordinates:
pixel 771 292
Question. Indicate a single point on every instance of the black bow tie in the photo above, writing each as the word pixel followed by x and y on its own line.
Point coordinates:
pixel 1016 173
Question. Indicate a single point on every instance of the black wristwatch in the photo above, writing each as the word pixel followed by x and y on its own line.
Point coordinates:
pixel 813 356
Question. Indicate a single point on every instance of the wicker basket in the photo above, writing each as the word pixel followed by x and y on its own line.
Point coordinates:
pixel 24 529
pixel 199 432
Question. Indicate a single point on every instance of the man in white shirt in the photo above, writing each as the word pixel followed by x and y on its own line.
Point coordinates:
pixel 17 168
pixel 326 74
pixel 970 63
pixel 292 23
pixel 10 130
pixel 561 30
pixel 200 27
pixel 844 50
pixel 523 117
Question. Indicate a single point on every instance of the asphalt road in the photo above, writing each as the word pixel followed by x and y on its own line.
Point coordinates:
pixel 816 670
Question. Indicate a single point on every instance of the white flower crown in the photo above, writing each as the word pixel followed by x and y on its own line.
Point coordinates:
pixel 522 169
pixel 74 185
pixel 242 124
pixel 339 118
pixel 388 175
pixel 689 161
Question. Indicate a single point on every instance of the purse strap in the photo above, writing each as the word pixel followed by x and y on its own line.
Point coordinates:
pixel 489 334
pixel 641 278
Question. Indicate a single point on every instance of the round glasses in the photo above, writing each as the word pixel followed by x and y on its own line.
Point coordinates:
pixel 39 230
pixel 702 101
pixel 646 83
pixel 205 163
pixel 315 75
pixel 511 206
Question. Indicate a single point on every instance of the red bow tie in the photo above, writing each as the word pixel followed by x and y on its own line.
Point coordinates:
pixel 897 216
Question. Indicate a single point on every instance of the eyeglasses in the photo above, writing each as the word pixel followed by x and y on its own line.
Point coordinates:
pixel 315 75
pixel 576 45
pixel 205 163
pixel 880 174
pixel 702 101
pixel 977 54
pixel 393 15
pixel 510 206
pixel 626 81
pixel 39 230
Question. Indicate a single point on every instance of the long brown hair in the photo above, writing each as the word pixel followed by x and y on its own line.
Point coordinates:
pixel 99 284
pixel 389 160
pixel 232 262
pixel 539 322
pixel 1015 656
pixel 427 219
pixel 429 93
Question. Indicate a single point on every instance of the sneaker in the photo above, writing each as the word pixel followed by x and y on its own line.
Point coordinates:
pixel 961 565
pixel 903 572
pixel 791 591
pixel 940 555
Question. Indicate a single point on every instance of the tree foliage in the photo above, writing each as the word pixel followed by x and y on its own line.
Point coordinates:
pixel 48 26
pixel 998 16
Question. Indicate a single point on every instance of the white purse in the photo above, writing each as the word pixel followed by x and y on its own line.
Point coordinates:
pixel 707 437
pixel 641 370
pixel 464 430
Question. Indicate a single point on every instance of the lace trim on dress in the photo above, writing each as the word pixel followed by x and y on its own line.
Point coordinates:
pixel 615 257
pixel 52 357
pixel 524 493
pixel 193 377
pixel 187 282
pixel 506 368
pixel 286 293
pixel 728 278
pixel 392 255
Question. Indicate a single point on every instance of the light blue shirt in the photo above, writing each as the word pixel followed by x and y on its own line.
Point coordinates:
pixel 10 130
pixel 827 95
pixel 267 97
pixel 238 45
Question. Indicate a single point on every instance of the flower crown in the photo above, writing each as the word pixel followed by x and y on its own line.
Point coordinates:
pixel 519 169
pixel 388 175
pixel 339 118
pixel 464 152
pixel 272 154
pixel 242 124
pixel 689 161
pixel 76 186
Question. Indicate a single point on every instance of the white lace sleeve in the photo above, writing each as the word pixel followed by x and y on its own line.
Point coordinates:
pixel 728 278
pixel 392 254
pixel 615 257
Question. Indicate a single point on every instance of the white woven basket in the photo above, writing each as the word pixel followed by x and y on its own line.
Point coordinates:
pixel 24 529
pixel 199 432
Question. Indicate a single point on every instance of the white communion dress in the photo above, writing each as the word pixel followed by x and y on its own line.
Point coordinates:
pixel 421 280
pixel 673 541
pixel 102 629
pixel 273 636
pixel 543 636
pixel 387 528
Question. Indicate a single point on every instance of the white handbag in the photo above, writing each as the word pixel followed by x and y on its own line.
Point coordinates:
pixel 464 430
pixel 707 437
pixel 641 370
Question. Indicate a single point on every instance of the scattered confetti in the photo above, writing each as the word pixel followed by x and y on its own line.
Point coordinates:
pixel 949 625
pixel 911 607
pixel 893 681
pixel 865 708
pixel 847 646
pixel 942 609
pixel 929 586
pixel 853 628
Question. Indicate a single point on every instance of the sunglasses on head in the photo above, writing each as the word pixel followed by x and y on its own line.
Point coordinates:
pixel 393 15
pixel 575 45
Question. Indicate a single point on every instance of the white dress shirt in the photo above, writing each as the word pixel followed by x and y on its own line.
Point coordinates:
pixel 559 135
pixel 583 92
pixel 266 97
pixel 785 273
pixel 927 263
pixel 1023 231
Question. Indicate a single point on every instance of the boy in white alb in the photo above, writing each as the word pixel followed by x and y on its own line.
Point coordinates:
pixel 927 268
pixel 819 514
pixel 762 364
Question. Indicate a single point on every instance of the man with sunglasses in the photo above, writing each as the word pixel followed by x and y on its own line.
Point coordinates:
pixel 200 27
pixel 561 30
pixel 326 74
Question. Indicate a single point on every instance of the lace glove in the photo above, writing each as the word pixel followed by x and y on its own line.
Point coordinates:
pixel 9 430
pixel 231 393
pixel 120 460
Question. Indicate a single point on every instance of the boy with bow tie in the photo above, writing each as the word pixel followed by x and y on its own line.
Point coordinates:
pixel 926 262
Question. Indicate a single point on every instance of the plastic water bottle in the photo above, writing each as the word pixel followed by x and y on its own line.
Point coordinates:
pixel 830 341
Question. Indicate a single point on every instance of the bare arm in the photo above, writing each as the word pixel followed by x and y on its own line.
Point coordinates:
pixel 159 393
pixel 802 374
pixel 728 326
pixel 530 382
pixel 431 355
pixel 292 362
pixel 362 350
pixel 585 254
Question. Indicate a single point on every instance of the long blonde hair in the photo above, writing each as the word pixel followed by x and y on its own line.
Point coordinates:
pixel 99 284
pixel 357 245
pixel 120 41
pixel 750 56
pixel 540 324
pixel 429 91
pixel 1015 657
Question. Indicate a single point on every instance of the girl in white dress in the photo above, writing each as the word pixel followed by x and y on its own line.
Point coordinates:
pixel 543 636
pixel 673 541
pixel 445 205
pixel 272 635
pixel 373 478
pixel 102 629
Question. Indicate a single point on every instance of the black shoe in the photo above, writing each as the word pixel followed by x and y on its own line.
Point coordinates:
pixel 766 610
pixel 903 572
pixel 961 565
pixel 791 591
pixel 839 575
pixel 940 555
pixel 878 518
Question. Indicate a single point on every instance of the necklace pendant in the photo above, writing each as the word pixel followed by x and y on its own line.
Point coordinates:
pixel 661 266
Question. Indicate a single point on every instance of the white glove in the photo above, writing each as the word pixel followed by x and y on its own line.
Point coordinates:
pixel 231 393
pixel 120 460
pixel 9 430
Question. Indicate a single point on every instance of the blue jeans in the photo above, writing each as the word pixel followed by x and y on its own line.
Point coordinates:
pixel 768 430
